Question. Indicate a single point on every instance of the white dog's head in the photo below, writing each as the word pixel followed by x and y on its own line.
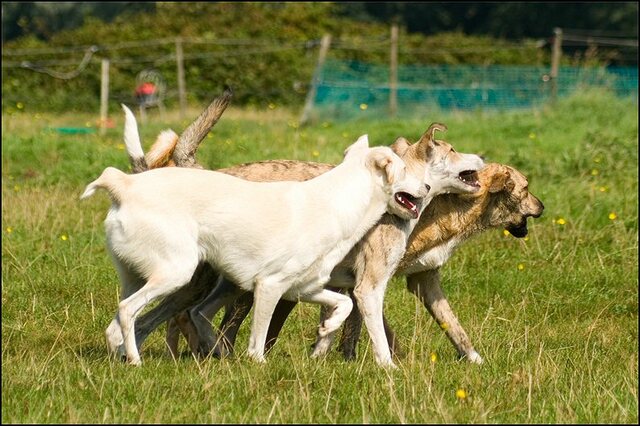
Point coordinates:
pixel 405 190
pixel 446 170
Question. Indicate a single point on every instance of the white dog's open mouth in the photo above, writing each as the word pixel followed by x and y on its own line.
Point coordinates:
pixel 407 201
pixel 470 177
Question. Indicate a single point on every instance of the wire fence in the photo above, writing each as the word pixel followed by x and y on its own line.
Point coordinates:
pixel 345 88
pixel 355 77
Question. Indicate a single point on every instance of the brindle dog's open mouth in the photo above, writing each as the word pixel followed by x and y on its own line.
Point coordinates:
pixel 470 177
pixel 408 201
pixel 519 231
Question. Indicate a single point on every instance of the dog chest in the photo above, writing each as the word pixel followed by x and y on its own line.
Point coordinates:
pixel 433 258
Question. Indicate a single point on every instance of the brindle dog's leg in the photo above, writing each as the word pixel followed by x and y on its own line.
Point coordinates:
pixel 426 287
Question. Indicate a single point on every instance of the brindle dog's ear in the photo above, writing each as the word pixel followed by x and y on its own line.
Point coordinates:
pixel 400 146
pixel 502 180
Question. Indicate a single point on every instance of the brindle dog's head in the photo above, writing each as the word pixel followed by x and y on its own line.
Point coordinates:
pixel 510 202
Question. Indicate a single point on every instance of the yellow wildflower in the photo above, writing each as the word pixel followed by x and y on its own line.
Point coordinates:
pixel 506 233
pixel 444 326
pixel 613 216
pixel 532 135
pixel 461 393
pixel 602 189
pixel 520 266
pixel 561 221
pixel 9 229
pixel 364 106
pixel 315 153
pixel 120 146
pixel 63 237
pixel 19 105
pixel 595 172
pixel 434 357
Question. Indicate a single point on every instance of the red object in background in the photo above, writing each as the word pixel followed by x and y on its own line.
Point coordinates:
pixel 146 89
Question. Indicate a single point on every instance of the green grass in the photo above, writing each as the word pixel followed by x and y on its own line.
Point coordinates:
pixel 559 334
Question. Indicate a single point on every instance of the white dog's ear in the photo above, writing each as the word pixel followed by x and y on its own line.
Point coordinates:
pixel 359 145
pixel 400 146
pixel 388 163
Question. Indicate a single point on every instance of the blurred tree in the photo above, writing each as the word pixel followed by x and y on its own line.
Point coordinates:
pixel 43 19
pixel 502 19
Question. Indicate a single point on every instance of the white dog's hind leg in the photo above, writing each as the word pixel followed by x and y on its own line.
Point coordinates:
pixel 130 282
pixel 339 307
pixel 166 281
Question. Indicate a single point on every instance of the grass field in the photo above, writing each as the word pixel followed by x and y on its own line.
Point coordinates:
pixel 555 315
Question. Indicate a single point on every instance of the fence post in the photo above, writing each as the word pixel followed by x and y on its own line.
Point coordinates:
pixel 555 62
pixel 393 72
pixel 104 96
pixel 311 95
pixel 181 83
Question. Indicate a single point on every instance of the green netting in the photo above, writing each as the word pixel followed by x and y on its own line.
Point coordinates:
pixel 347 88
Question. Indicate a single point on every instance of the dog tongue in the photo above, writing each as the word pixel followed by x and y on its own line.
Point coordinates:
pixel 403 199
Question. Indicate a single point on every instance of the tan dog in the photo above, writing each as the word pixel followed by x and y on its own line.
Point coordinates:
pixel 504 201
pixel 449 171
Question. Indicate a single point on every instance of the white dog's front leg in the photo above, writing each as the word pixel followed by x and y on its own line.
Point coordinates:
pixel 265 299
pixel 370 301
pixel 339 307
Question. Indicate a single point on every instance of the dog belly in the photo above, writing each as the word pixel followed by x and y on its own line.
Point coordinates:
pixel 431 259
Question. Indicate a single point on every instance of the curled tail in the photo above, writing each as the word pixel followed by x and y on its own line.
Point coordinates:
pixel 113 180
pixel 160 153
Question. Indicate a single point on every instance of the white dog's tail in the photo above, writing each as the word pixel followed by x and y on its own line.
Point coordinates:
pixel 132 142
pixel 112 179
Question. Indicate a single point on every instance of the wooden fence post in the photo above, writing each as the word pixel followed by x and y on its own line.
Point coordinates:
pixel 393 72
pixel 104 96
pixel 311 95
pixel 555 62
pixel 182 95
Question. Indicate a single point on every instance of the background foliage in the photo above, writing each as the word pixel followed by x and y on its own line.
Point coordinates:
pixel 260 75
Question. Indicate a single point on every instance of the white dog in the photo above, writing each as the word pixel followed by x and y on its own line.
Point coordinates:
pixel 277 239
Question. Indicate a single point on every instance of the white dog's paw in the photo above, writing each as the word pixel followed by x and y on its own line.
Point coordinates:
pixel 387 365
pixel 135 361
pixel 474 358
pixel 257 357
pixel 115 341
